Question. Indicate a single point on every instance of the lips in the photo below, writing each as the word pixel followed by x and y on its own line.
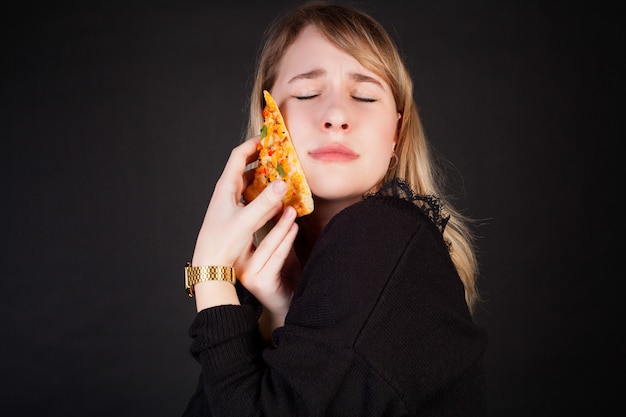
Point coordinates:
pixel 333 153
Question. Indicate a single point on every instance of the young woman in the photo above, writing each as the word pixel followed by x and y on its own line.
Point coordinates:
pixel 366 303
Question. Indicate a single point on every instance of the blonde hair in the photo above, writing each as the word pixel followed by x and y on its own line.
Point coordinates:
pixel 368 42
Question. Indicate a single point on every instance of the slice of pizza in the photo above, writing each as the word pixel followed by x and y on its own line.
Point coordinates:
pixel 278 159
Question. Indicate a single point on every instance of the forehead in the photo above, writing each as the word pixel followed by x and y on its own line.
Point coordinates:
pixel 309 44
pixel 311 50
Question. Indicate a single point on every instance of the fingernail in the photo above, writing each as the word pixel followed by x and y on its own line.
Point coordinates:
pixel 289 212
pixel 279 186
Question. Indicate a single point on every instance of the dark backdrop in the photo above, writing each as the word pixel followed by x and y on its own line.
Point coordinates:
pixel 118 117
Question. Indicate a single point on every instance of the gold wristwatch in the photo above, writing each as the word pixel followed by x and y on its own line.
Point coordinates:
pixel 196 274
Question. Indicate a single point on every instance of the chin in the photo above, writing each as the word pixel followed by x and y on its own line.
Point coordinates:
pixel 334 185
pixel 338 192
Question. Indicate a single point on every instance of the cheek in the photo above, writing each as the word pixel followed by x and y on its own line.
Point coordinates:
pixel 383 140
pixel 379 163
pixel 295 124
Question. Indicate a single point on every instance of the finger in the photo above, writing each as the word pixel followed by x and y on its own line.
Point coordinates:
pixel 277 260
pixel 265 206
pixel 252 163
pixel 254 156
pixel 272 269
pixel 277 243
pixel 242 263
pixel 231 180
pixel 264 270
pixel 242 155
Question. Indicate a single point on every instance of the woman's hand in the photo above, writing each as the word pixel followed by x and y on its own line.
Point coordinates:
pixel 228 226
pixel 271 270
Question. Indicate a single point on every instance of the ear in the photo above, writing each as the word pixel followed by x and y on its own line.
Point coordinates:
pixel 395 139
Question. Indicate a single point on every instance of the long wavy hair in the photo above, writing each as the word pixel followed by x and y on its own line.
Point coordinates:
pixel 357 33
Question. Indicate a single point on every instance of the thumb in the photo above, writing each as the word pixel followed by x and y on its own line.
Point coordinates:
pixel 266 205
pixel 273 193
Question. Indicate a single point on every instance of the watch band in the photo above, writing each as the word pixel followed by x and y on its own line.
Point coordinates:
pixel 196 274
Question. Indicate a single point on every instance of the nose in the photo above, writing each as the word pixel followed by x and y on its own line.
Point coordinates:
pixel 336 117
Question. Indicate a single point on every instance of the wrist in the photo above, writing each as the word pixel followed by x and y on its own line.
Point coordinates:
pixel 215 293
pixel 195 275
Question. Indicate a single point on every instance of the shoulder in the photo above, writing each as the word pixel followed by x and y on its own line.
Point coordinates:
pixel 400 192
pixel 383 257
pixel 381 240
pixel 374 239
pixel 395 210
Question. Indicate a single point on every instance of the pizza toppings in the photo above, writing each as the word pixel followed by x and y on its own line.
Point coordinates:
pixel 278 159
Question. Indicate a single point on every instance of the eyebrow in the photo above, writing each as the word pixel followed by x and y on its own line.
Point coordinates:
pixel 362 78
pixel 317 73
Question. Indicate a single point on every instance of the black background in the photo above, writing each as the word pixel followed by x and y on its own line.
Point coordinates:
pixel 118 117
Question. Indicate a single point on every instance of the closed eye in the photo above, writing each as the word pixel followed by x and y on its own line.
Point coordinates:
pixel 306 97
pixel 364 99
pixel 360 99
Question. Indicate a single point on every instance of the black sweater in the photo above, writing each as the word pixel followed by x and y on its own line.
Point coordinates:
pixel 378 327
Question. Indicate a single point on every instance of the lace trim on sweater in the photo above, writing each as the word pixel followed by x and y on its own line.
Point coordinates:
pixel 429 204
